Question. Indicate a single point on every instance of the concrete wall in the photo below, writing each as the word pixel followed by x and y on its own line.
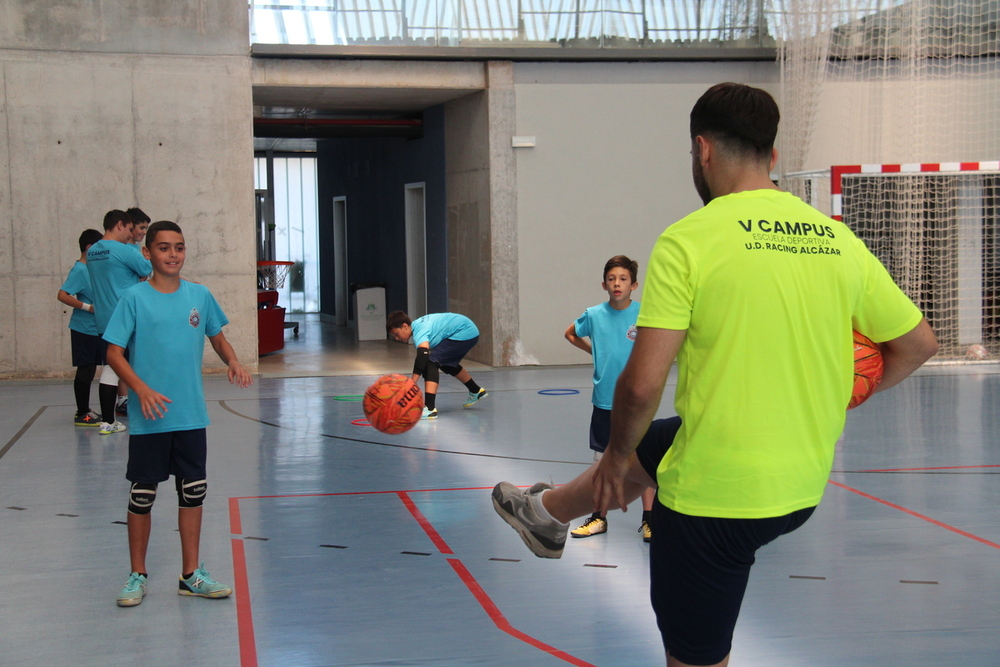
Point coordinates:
pixel 108 105
pixel 482 216
pixel 610 170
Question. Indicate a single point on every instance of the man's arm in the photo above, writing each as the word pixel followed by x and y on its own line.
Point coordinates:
pixel 637 397
pixel 236 373
pixel 905 354
pixel 581 343
pixel 153 403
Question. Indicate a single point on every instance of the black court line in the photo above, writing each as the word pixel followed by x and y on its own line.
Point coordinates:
pixel 17 436
pixel 388 444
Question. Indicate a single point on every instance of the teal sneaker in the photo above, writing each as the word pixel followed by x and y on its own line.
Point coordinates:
pixel 429 414
pixel 202 585
pixel 134 591
pixel 474 398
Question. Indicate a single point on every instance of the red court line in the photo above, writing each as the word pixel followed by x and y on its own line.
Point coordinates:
pixel 425 524
pixel 501 621
pixel 937 523
pixel 244 611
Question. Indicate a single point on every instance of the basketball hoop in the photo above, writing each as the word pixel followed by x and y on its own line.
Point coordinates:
pixel 271 274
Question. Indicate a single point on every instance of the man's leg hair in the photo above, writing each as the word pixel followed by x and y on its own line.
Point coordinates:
pixel 190 492
pixel 141 497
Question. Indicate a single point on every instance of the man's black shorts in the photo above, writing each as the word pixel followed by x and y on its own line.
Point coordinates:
pixel 153 457
pixel 451 352
pixel 88 350
pixel 699 566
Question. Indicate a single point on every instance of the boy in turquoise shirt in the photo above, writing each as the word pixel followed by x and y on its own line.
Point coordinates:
pixel 442 341
pixel 163 322
pixel 88 348
pixel 113 268
pixel 610 326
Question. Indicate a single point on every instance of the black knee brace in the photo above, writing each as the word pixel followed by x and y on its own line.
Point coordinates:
pixel 190 492
pixel 451 370
pixel 141 497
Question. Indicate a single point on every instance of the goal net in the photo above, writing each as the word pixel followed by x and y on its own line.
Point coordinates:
pixel 902 84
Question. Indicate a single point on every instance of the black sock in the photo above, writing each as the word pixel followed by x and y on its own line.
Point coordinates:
pixel 188 575
pixel 81 388
pixel 429 400
pixel 647 516
pixel 108 393
pixel 472 386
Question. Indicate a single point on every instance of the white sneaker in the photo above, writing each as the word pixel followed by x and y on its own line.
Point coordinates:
pixel 107 429
pixel 545 537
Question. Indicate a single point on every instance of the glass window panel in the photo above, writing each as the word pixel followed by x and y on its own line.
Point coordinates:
pixel 295 27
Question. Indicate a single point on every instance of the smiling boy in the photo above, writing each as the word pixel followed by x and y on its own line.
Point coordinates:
pixel 163 322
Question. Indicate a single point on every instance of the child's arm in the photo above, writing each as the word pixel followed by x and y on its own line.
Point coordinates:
pixel 581 343
pixel 71 301
pixel 237 374
pixel 153 403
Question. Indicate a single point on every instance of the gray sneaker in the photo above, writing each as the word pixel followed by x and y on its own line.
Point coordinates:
pixel 545 538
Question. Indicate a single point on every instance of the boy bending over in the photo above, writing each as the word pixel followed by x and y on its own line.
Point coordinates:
pixel 163 323
pixel 442 340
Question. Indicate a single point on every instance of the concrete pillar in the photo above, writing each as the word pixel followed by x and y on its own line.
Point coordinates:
pixel 482 215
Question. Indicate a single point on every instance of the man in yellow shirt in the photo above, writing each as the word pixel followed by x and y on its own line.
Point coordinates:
pixel 755 295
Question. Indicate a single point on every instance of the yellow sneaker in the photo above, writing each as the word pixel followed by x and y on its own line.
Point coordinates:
pixel 595 525
pixel 647 532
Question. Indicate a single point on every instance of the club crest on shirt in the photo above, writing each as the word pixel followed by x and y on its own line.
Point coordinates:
pixel 632 331
pixel 194 319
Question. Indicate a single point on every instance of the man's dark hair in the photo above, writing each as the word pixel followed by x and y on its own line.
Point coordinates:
pixel 396 319
pixel 89 238
pixel 622 262
pixel 160 226
pixel 741 118
pixel 114 216
pixel 138 216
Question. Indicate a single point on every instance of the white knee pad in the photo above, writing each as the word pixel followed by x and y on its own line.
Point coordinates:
pixel 108 375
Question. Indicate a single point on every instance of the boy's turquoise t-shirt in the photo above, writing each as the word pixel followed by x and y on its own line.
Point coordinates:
pixel 165 335
pixel 436 327
pixel 78 284
pixel 611 334
pixel 114 267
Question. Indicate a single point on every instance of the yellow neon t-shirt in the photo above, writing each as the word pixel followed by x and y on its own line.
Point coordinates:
pixel 768 290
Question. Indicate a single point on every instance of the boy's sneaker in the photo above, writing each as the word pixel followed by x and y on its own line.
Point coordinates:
pixel 202 585
pixel 429 414
pixel 134 590
pixel 474 398
pixel 595 525
pixel 545 537
pixel 647 532
pixel 107 428
pixel 122 408
pixel 89 419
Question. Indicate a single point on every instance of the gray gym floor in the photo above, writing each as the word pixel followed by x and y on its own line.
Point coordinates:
pixel 349 547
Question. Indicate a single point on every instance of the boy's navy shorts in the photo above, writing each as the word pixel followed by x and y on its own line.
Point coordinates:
pixel 153 457
pixel 451 352
pixel 600 429
pixel 699 566
pixel 88 350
